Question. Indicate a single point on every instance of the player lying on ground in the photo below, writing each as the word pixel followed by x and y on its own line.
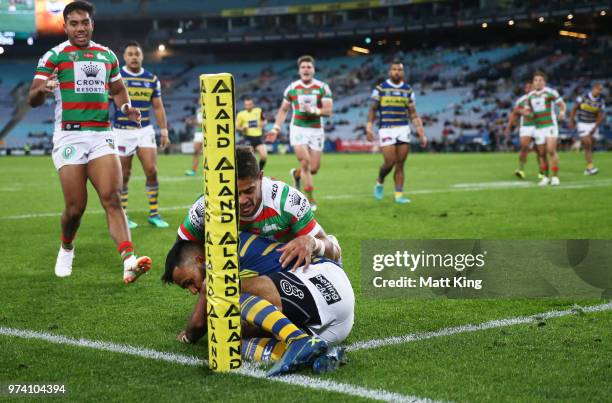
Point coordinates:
pixel 81 74
pixel 271 209
pixel 287 304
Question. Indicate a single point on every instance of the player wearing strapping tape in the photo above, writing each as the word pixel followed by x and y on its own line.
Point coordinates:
pixel 311 100
pixel 80 74
pixel 590 109
pixel 133 139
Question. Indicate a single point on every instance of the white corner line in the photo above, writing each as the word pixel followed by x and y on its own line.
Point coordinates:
pixel 449 331
pixel 248 370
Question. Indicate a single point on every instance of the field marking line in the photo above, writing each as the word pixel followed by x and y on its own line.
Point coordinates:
pixel 493 324
pixel 248 370
pixel 458 187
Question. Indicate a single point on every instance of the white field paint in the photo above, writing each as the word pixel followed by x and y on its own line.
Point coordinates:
pixel 449 331
pixel 248 370
pixel 459 187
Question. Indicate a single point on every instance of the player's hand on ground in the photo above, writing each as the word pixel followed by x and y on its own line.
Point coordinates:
pixel 299 249
pixel 133 114
pixel 182 337
pixel 52 82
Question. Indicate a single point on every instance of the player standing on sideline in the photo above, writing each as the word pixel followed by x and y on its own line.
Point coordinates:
pixel 591 112
pixel 145 91
pixel 250 123
pixel 197 143
pixel 526 131
pixel 394 102
pixel 311 100
pixel 81 73
pixel 541 104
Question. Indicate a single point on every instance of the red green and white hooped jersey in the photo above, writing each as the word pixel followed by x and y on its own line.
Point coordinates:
pixel 84 75
pixel 525 121
pixel 542 105
pixel 284 214
pixel 298 93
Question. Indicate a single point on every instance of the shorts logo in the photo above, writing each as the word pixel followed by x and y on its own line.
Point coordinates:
pixel 326 288
pixel 68 153
pixel 290 289
pixel 121 149
pixel 111 143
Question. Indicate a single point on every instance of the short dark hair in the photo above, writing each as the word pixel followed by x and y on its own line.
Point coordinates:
pixel 540 73
pixel 80 5
pixel 246 163
pixel 305 58
pixel 177 256
pixel 247 98
pixel 396 61
pixel 131 43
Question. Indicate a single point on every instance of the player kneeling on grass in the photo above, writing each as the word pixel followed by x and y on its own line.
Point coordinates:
pixel 307 310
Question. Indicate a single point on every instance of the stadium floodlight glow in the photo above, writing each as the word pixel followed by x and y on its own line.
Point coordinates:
pixel 572 34
pixel 1 50
pixel 484 25
pixel 161 47
pixel 359 49
pixel 541 19
pixel 30 41
pixel 602 13
pixel 511 22
pixel 368 40
pixel 570 16
pixel 179 30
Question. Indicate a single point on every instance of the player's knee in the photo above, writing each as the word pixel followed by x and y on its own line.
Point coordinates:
pixel 111 200
pixel 74 212
pixel 151 173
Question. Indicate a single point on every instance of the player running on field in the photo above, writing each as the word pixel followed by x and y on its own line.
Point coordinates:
pixel 81 74
pixel 249 122
pixel 526 130
pixel 271 209
pixel 288 305
pixel 311 100
pixel 145 92
pixel 394 102
pixel 541 102
pixel 197 142
pixel 591 111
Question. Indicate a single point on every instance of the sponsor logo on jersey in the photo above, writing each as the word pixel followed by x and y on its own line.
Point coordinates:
pixel 270 227
pixel 89 77
pixel 295 199
pixel 274 191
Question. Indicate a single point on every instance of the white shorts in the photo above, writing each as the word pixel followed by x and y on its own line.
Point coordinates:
pixel 309 136
pixel 541 134
pixel 197 137
pixel 527 131
pixel 390 136
pixel 334 297
pixel 584 129
pixel 128 140
pixel 80 147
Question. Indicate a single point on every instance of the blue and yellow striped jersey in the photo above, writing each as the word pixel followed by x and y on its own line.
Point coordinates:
pixel 142 87
pixel 393 101
pixel 259 256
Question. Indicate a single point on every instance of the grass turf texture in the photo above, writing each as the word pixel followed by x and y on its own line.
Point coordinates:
pixel 524 362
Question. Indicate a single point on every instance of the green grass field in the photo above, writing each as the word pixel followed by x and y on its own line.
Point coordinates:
pixel 453 196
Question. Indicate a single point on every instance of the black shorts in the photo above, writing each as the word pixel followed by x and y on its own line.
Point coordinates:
pixel 298 304
pixel 254 141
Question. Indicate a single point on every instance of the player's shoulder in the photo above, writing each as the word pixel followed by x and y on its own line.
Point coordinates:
pixel 319 83
pixel 148 74
pixel 101 47
pixel 294 84
pixel 273 192
pixel 57 49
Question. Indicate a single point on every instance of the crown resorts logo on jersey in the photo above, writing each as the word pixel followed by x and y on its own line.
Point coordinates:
pixel 89 77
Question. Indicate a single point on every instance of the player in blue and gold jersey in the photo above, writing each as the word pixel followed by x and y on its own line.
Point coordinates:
pixel 590 111
pixel 145 93
pixel 393 102
pixel 289 304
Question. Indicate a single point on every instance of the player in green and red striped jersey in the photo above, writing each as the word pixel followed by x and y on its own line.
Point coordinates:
pixel 80 74
pixel 541 105
pixel 271 209
pixel 310 100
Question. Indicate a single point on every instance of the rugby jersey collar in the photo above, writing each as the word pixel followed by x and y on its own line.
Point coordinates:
pixel 312 82
pixel 126 70
pixel 394 85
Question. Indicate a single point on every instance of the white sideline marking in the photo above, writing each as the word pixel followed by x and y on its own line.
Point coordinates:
pixel 248 370
pixel 449 331
pixel 459 187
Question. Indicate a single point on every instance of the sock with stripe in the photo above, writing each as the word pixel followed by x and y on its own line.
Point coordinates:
pixel 261 313
pixel 555 170
pixel 589 165
pixel 124 198
pixel 544 169
pixel 262 349
pixel 152 193
pixel 67 242
pixel 126 250
pixel 399 192
pixel 309 191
